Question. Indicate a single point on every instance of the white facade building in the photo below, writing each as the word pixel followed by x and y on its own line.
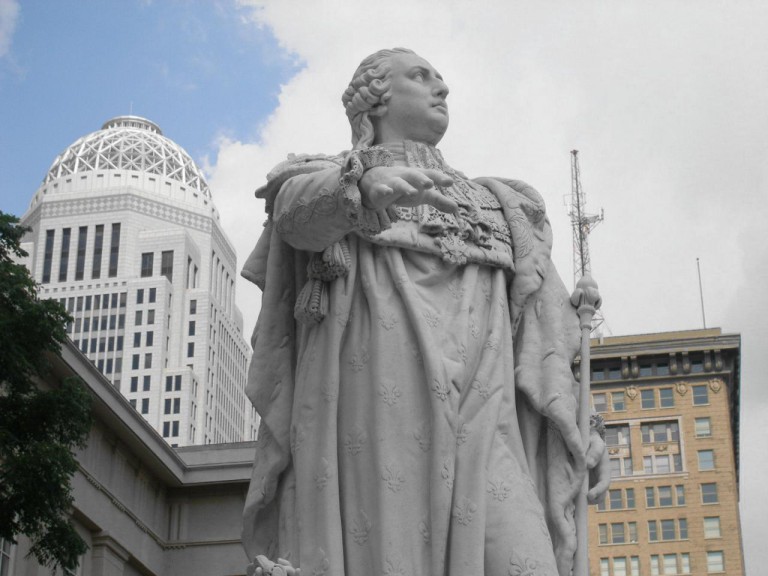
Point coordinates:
pixel 125 234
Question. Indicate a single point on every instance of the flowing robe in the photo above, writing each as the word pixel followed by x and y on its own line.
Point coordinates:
pixel 405 432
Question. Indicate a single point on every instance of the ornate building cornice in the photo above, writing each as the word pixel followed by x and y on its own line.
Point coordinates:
pixel 126 201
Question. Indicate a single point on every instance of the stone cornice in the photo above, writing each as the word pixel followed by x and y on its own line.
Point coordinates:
pixel 662 346
pixel 126 201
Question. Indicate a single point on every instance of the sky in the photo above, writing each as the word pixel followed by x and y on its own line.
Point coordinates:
pixel 665 101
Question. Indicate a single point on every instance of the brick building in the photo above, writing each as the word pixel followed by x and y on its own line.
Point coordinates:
pixel 671 406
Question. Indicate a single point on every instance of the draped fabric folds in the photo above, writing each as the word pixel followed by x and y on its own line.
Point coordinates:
pixel 407 432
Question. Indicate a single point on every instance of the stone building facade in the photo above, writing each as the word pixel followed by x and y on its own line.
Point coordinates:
pixel 671 405
pixel 143 507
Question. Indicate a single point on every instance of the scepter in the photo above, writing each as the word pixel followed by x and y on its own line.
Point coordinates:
pixel 586 299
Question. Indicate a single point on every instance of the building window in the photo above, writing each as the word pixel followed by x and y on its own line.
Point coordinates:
pixel 145 405
pixel 66 233
pixel 602 534
pixel 166 429
pixel 177 382
pixel 646 370
pixel 660 432
pixel 150 316
pixel 715 562
pixel 134 383
pixel 621 467
pixel 147 383
pixel 193 306
pixel 176 405
pixel 98 245
pixel 712 527
pixel 137 339
pixel 190 349
pixel 598 374
pixel 82 239
pixel 709 493
pixel 148 360
pixel 599 402
pixel 114 250
pixel 706 460
pixel 617 399
pixel 152 295
pixel 653 531
pixel 175 428
pixel 191 327
pixel 617 435
pixel 662 464
pixel 666 398
pixel 48 257
pixel 140 296
pixel 605 567
pixel 648 398
pixel 616 499
pixel 167 406
pixel 662 369
pixel 703 427
pixel 665 496
pixel 147 264
pixel 168 383
pixel 668 530
pixel 700 395
pixel 670 563
pixel 166 264
pixel 150 338
pixel 135 362
pixel 137 320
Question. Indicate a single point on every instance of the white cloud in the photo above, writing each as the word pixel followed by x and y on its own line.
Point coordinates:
pixel 9 14
pixel 664 102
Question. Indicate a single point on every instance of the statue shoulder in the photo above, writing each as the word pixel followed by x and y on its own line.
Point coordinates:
pixel 516 195
pixel 295 165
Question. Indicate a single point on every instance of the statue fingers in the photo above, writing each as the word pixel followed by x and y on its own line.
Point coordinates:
pixel 438 177
pixel 378 196
pixel 434 198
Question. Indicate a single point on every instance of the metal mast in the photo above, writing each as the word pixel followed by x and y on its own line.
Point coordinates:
pixel 582 224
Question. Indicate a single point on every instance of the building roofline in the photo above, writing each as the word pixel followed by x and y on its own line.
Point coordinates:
pixel 177 468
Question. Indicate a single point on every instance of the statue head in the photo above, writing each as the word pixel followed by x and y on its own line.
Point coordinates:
pixel 396 94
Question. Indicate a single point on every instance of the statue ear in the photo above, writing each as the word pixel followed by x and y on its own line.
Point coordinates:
pixel 377 111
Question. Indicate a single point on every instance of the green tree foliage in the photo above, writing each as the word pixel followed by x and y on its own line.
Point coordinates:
pixel 39 428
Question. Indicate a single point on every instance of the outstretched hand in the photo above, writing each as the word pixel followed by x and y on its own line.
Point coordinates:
pixel 383 186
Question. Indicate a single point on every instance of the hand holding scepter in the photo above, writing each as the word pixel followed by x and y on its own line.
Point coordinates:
pixel 586 299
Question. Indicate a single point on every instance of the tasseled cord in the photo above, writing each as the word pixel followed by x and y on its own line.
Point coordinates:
pixel 313 302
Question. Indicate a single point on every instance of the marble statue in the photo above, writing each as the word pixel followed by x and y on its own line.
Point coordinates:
pixel 412 361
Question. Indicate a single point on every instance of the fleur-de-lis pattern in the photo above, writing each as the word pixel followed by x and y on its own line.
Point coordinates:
pixel 360 528
pixel 464 511
pixel 393 477
pixel 394 434
pixel 390 393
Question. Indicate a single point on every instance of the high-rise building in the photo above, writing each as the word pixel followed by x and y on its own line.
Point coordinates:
pixel 671 407
pixel 126 236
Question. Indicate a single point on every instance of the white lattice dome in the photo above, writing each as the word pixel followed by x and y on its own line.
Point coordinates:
pixel 129 143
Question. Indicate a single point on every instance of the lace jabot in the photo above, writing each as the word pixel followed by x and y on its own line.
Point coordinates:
pixel 480 224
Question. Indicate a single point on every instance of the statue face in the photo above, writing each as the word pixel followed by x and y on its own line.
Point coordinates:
pixel 416 109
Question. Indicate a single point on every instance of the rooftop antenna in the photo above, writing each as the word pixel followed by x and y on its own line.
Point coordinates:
pixel 582 224
pixel 701 294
